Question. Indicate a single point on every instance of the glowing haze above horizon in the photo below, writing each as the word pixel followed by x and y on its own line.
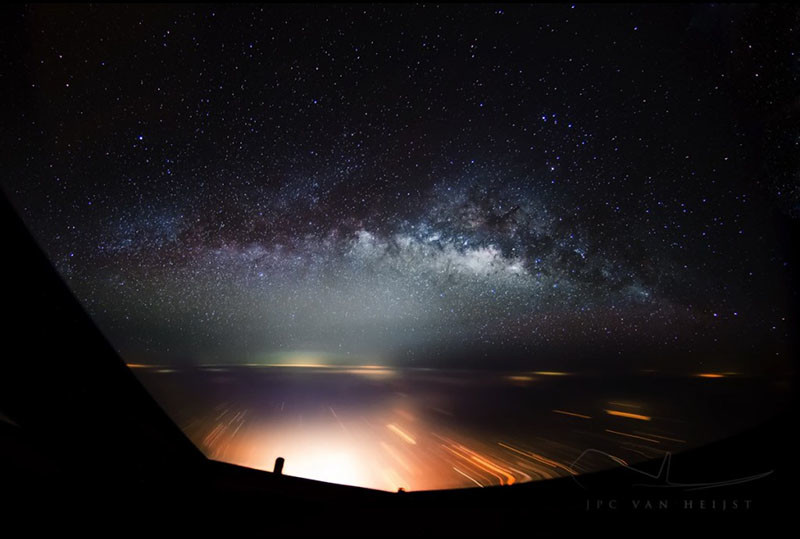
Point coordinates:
pixel 413 185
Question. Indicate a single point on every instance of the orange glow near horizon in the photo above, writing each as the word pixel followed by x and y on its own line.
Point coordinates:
pixel 404 441
pixel 388 448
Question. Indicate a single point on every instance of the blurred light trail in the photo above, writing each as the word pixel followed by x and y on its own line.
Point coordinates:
pixel 468 477
pixel 482 463
pixel 401 434
pixel 427 429
pixel 625 404
pixel 661 437
pixel 539 458
pixel 564 412
pixel 633 436
pixel 629 415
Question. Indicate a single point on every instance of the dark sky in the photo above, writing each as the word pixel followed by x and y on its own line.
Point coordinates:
pixel 449 185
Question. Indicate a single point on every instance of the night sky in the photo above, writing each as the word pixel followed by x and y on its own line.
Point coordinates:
pixel 449 186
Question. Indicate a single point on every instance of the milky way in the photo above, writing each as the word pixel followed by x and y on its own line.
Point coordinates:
pixel 415 185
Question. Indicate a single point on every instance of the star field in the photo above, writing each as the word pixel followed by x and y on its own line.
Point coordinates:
pixel 447 185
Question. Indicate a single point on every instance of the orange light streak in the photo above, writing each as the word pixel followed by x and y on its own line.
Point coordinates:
pixel 468 477
pixel 395 429
pixel 484 464
pixel 629 415
pixel 572 414
pixel 539 458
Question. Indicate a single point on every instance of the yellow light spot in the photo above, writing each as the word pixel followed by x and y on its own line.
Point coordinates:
pixel 301 365
pixel 551 373
pixel 710 375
